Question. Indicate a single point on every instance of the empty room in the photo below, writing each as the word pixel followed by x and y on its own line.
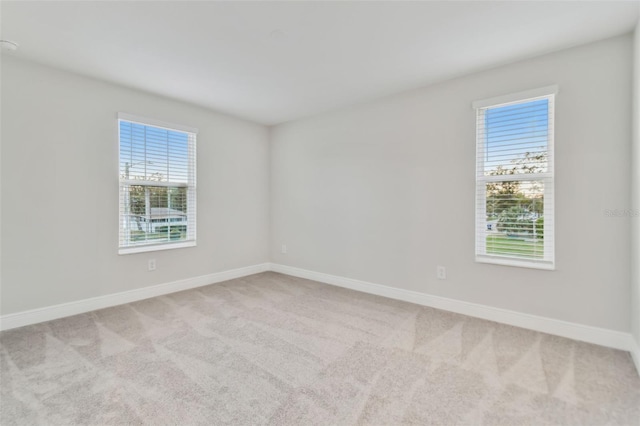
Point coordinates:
pixel 320 213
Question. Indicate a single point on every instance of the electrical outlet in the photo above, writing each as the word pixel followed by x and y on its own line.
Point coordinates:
pixel 152 264
pixel 284 249
pixel 441 272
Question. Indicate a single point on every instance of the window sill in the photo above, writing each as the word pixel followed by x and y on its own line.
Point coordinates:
pixel 521 263
pixel 156 247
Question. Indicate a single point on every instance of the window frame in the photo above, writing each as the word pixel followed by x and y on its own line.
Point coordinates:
pixel 548 178
pixel 190 185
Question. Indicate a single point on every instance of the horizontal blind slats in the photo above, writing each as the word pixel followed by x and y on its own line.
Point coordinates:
pixel 157 185
pixel 514 186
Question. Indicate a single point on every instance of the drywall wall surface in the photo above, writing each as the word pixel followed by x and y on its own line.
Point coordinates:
pixel 635 194
pixel 384 191
pixel 60 189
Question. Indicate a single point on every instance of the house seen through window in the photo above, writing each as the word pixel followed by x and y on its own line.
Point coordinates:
pixel 157 185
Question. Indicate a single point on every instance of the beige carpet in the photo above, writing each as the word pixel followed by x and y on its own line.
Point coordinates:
pixel 273 349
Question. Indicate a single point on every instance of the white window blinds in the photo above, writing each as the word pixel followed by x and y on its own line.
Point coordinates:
pixel 157 185
pixel 515 180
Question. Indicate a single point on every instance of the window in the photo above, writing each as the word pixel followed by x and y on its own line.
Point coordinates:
pixel 515 179
pixel 157 185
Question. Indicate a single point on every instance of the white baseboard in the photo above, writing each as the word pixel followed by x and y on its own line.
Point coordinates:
pixel 599 336
pixel 34 316
pixel 585 333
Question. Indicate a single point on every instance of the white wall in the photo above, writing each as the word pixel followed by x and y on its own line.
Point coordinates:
pixel 635 198
pixel 60 190
pixel 383 192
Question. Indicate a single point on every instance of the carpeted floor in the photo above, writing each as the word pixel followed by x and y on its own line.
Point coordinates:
pixel 273 349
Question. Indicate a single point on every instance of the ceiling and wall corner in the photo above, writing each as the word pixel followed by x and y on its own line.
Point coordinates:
pixel 272 62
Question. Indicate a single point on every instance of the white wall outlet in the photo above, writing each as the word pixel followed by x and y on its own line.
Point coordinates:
pixel 283 249
pixel 441 272
pixel 152 264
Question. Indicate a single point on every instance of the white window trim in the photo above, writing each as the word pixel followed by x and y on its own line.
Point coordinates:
pixel 168 245
pixel 548 263
pixel 156 247
pixel 502 100
pixel 156 123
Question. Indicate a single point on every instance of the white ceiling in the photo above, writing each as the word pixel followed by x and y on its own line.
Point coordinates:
pixel 272 62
